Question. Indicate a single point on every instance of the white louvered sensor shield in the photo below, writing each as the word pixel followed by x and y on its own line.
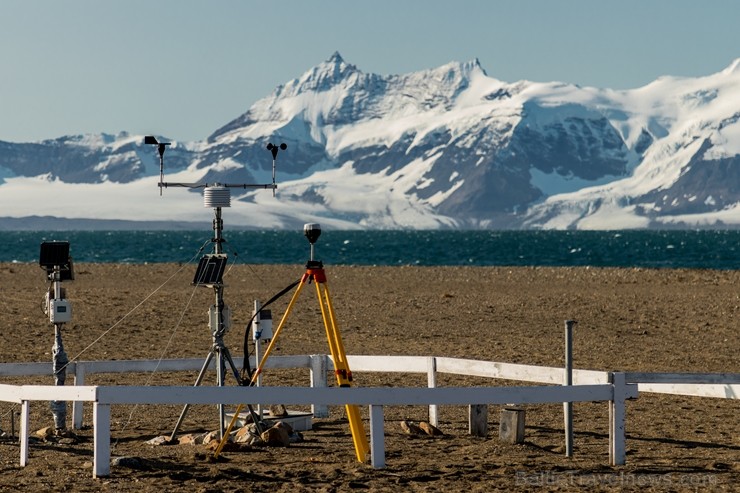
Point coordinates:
pixel 216 197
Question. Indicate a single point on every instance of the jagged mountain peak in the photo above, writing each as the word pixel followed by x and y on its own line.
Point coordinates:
pixel 335 58
pixel 323 76
pixel 463 69
pixel 336 92
pixel 335 71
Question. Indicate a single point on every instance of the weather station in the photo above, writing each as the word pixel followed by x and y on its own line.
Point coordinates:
pixel 54 258
pixel 210 271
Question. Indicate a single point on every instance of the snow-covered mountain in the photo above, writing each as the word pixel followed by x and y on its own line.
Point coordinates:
pixel 448 147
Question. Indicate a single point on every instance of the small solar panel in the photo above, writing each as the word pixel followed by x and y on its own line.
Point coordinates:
pixel 56 254
pixel 210 270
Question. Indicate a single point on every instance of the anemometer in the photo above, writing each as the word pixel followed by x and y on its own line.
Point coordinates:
pixel 210 270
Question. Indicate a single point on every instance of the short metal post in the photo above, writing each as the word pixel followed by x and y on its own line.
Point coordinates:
pixel 617 418
pixel 318 379
pixel 24 432
pixel 568 406
pixel 101 436
pixel 377 437
pixel 77 408
pixel 478 420
pixel 432 383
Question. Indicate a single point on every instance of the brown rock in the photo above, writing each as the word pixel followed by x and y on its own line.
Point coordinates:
pixel 276 437
pixel 160 440
pixel 45 433
pixel 191 439
pixel 411 428
pixel 285 426
pixel 212 436
pixel 430 429
pixel 278 411
pixel 243 435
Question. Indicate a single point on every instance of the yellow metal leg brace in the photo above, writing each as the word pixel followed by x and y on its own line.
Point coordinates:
pixel 343 374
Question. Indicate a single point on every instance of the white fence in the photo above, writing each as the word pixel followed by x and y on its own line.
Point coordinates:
pixel 588 386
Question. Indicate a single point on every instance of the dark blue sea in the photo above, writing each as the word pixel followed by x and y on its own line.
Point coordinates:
pixel 652 249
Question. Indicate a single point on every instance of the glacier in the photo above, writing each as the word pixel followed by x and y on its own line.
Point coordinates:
pixel 448 147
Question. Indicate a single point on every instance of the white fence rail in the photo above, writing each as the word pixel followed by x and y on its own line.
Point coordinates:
pixel 103 397
pixel 588 386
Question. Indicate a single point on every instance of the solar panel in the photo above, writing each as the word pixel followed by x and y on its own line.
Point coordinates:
pixel 210 270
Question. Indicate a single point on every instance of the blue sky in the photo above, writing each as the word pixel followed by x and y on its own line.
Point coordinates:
pixel 183 68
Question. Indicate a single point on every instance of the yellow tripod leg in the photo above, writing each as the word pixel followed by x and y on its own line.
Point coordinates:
pixel 277 332
pixel 335 330
pixel 270 346
pixel 342 371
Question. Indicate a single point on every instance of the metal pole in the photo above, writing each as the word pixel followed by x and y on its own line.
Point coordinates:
pixel 220 328
pixel 59 359
pixel 568 406
pixel 257 336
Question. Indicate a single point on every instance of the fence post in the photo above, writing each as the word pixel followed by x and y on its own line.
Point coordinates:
pixel 478 420
pixel 377 437
pixel 568 406
pixel 77 405
pixel 318 379
pixel 432 383
pixel 101 434
pixel 617 442
pixel 24 432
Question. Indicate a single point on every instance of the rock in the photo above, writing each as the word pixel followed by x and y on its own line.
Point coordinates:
pixel 64 433
pixel 278 410
pixel 257 442
pixel 45 433
pixel 244 435
pixel 276 436
pixel 191 439
pixel 411 428
pixel 430 429
pixel 160 440
pixel 211 437
pixel 130 462
pixel 285 426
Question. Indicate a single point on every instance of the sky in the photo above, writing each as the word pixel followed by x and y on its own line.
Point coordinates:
pixel 184 68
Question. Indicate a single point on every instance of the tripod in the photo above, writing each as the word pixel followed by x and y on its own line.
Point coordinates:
pixel 210 271
pixel 315 272
pixel 209 274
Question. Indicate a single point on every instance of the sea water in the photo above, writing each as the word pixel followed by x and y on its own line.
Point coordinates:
pixel 631 248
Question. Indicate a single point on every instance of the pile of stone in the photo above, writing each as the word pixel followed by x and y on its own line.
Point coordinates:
pixel 280 434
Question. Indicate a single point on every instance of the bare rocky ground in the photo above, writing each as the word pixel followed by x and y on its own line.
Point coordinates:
pixel 628 319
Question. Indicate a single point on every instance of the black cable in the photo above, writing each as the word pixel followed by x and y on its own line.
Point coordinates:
pixel 245 366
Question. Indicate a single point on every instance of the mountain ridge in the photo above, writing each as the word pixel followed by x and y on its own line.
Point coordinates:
pixel 447 147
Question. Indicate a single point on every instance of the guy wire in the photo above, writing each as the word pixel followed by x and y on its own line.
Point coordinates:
pixel 161 357
pixel 134 308
pixel 251 268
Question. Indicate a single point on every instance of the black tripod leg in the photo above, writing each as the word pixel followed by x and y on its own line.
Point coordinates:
pixel 197 382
